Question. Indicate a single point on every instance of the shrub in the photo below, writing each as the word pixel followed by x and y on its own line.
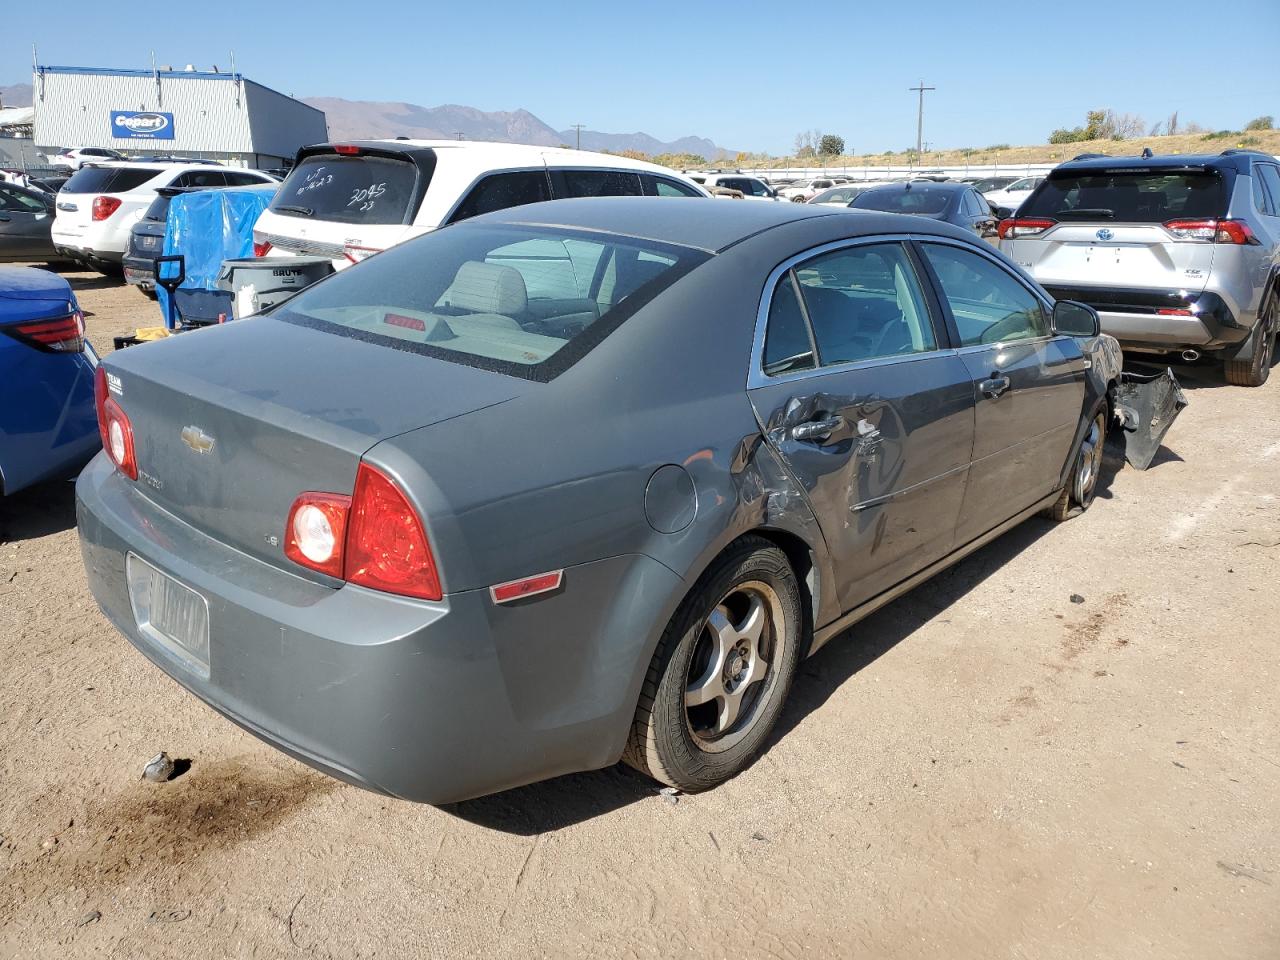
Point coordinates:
pixel 830 145
pixel 1261 123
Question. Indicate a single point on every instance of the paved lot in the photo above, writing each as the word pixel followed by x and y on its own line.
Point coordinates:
pixel 983 769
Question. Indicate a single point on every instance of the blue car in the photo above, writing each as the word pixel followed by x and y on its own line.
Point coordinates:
pixel 48 420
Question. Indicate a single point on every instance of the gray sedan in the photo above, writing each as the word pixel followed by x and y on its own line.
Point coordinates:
pixel 577 482
pixel 956 203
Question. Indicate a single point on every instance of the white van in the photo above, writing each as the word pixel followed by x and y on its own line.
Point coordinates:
pixel 347 201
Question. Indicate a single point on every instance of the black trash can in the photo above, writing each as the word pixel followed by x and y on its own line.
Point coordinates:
pixel 274 279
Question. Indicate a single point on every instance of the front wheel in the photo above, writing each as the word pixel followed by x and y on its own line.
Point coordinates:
pixel 721 672
pixel 1082 485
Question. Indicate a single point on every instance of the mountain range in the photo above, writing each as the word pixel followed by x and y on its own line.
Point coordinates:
pixel 355 119
pixel 360 119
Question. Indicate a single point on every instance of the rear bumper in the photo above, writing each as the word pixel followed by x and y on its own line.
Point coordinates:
pixel 140 271
pixel 434 702
pixel 1131 316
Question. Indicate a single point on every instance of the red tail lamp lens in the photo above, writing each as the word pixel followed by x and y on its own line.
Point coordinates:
pixel 387 546
pixel 104 207
pixel 261 248
pixel 114 427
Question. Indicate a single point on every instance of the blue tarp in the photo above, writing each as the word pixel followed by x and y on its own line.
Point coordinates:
pixel 207 227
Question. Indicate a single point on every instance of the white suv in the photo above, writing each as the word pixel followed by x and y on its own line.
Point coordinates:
pixel 347 201
pixel 77 157
pixel 751 188
pixel 101 202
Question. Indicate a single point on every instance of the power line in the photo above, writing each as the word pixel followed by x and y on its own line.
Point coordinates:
pixel 920 116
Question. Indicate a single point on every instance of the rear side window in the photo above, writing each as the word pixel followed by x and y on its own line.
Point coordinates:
pixel 201 178
pixel 499 191
pixel 865 302
pixel 362 189
pixel 1270 175
pixel 1129 197
pixel 601 183
pixel 787 347
pixel 110 179
pixel 524 301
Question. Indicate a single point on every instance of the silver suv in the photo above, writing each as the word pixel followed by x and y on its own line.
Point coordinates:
pixel 1178 254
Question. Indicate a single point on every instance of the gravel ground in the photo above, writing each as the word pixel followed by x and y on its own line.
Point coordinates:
pixel 985 768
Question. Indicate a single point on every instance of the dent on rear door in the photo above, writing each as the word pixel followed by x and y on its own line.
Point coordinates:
pixel 887 483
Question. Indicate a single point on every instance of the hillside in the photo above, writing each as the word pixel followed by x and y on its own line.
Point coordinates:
pixel 16 95
pixel 1267 141
pixel 356 119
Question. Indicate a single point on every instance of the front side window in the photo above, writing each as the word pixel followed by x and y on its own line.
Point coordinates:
pixel 602 183
pixel 17 201
pixel 990 305
pixel 499 191
pixel 865 303
pixel 201 178
pixel 502 298
pixel 673 188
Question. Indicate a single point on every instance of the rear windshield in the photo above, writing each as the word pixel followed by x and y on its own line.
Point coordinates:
pixel 109 179
pixel 359 189
pixel 528 302
pixel 925 203
pixel 1129 197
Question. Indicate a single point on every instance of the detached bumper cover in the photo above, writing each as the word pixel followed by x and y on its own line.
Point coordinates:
pixel 434 702
pixel 1146 406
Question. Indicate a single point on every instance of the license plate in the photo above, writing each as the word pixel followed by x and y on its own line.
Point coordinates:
pixel 170 614
pixel 148 243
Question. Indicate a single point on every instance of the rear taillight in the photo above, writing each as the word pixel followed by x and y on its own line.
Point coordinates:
pixel 104 207
pixel 374 538
pixel 261 248
pixel 1213 231
pixel 114 426
pixel 316 531
pixel 63 335
pixel 387 546
pixel 1016 227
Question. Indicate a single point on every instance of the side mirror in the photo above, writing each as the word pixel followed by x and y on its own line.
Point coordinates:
pixel 1074 319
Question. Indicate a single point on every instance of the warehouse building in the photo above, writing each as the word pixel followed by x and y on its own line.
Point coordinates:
pixel 189 112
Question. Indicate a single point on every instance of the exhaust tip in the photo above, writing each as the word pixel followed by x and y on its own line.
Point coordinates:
pixel 1190 356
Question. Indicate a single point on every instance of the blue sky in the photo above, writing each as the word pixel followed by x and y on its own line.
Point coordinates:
pixel 749 76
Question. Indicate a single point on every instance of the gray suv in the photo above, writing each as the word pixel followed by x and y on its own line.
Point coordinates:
pixel 1178 254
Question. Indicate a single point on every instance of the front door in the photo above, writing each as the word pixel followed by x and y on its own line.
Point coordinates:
pixel 870 412
pixel 1028 385
pixel 25 220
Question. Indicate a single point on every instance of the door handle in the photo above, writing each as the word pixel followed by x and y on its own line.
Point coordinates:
pixel 994 387
pixel 816 429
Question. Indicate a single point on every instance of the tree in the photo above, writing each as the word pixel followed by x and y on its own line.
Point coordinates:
pixel 806 152
pixel 1261 123
pixel 1171 125
pixel 804 139
pixel 830 145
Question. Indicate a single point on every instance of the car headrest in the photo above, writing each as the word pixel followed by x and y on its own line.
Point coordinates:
pixel 487 288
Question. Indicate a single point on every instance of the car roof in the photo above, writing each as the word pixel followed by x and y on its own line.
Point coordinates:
pixel 922 186
pixel 1232 161
pixel 495 154
pixel 157 165
pixel 712 227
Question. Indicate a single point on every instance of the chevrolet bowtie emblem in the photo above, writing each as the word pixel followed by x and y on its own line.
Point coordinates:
pixel 197 440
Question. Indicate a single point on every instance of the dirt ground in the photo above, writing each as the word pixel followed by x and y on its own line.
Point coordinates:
pixel 986 768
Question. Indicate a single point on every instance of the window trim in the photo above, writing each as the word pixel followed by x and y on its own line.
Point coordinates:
pixel 1266 188
pixel 942 334
pixel 953 329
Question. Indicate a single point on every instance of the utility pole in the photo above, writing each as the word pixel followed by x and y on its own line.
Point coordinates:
pixel 578 128
pixel 459 135
pixel 920 115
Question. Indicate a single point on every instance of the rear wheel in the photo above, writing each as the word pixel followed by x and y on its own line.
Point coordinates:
pixel 1082 485
pixel 721 671
pixel 1255 371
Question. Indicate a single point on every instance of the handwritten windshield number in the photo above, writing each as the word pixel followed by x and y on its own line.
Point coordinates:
pixel 366 196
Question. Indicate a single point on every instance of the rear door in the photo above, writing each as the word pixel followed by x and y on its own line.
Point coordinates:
pixel 855 387
pixel 1122 228
pixel 25 219
pixel 1027 385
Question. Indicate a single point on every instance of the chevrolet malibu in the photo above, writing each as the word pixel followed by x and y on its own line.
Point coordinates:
pixel 577 482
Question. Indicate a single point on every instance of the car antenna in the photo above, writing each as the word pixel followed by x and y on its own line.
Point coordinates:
pixel 1146 153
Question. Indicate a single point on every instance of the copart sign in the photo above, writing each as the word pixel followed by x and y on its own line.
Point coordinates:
pixel 141 125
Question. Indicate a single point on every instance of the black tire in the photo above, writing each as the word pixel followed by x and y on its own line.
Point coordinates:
pixel 668 739
pixel 1255 371
pixel 149 292
pixel 1086 463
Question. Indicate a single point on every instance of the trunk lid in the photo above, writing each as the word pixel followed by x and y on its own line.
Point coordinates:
pixel 1107 254
pixel 231 423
